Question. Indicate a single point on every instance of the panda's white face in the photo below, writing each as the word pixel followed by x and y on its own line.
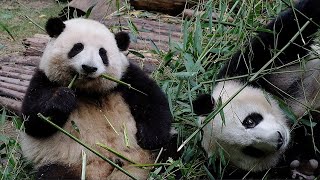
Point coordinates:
pixel 253 133
pixel 87 48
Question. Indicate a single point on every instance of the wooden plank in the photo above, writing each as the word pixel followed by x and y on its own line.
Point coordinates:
pixel 11 93
pixel 15 75
pixel 14 87
pixel 17 69
pixel 11 104
pixel 173 7
pixel 23 60
pixel 14 81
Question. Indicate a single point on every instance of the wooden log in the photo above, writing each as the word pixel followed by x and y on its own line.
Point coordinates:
pixel 188 13
pixel 15 75
pixel 11 104
pixel 14 87
pixel 14 81
pixel 172 7
pixel 22 60
pixel 35 45
pixel 100 8
pixel 11 93
pixel 20 69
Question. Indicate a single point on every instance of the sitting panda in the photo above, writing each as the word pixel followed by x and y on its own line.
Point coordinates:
pixel 254 132
pixel 95 109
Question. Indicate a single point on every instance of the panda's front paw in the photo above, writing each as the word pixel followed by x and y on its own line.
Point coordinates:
pixel 63 101
pixel 304 169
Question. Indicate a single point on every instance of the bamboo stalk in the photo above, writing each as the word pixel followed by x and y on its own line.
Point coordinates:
pixel 122 83
pixel 85 145
pixel 84 164
pixel 115 152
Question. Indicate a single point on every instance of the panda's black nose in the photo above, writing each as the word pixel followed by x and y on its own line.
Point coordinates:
pixel 280 140
pixel 89 69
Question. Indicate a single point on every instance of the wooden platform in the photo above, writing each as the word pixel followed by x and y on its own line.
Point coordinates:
pixel 16 70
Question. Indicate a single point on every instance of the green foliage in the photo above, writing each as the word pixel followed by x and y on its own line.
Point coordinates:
pixel 12 165
pixel 187 69
pixel 190 67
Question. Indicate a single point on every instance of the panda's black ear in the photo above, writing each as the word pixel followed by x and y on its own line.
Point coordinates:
pixel 123 40
pixel 54 27
pixel 204 104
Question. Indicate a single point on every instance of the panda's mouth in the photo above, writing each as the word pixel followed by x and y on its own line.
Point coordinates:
pixel 253 152
pixel 84 76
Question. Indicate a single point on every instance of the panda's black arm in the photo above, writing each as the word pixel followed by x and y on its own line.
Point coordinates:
pixel 261 48
pixel 152 113
pixel 46 97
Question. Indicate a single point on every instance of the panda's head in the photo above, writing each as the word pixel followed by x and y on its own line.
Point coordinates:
pixel 251 129
pixel 85 47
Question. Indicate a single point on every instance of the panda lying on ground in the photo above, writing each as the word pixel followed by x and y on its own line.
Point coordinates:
pixel 254 133
pixel 102 110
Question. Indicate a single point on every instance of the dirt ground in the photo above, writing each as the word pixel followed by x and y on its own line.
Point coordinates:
pixel 23 18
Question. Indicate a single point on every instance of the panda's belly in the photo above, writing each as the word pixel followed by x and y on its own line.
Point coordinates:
pixel 109 123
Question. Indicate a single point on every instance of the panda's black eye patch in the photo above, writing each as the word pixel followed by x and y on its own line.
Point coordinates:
pixel 76 49
pixel 252 120
pixel 103 55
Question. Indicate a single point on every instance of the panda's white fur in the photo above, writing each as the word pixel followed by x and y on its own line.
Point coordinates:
pixel 230 135
pixel 54 149
pixel 103 111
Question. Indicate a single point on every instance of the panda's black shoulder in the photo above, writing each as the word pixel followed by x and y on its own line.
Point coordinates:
pixel 140 80
pixel 150 109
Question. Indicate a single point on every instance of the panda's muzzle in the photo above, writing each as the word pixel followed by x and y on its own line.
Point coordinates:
pixel 262 149
pixel 88 69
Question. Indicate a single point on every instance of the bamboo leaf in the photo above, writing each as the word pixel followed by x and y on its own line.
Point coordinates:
pixel 133 27
pixel 75 127
pixel 308 123
pixel 155 47
pixel 88 13
pixel 7 30
pixel 136 53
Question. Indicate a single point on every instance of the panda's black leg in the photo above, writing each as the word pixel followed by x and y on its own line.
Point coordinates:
pixel 49 99
pixel 282 30
pixel 151 111
pixel 56 171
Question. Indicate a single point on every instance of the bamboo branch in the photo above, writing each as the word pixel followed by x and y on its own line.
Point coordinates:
pixel 85 145
pixel 122 83
pixel 115 152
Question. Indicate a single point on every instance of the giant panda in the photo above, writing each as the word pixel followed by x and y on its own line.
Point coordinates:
pixel 254 133
pixel 95 109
